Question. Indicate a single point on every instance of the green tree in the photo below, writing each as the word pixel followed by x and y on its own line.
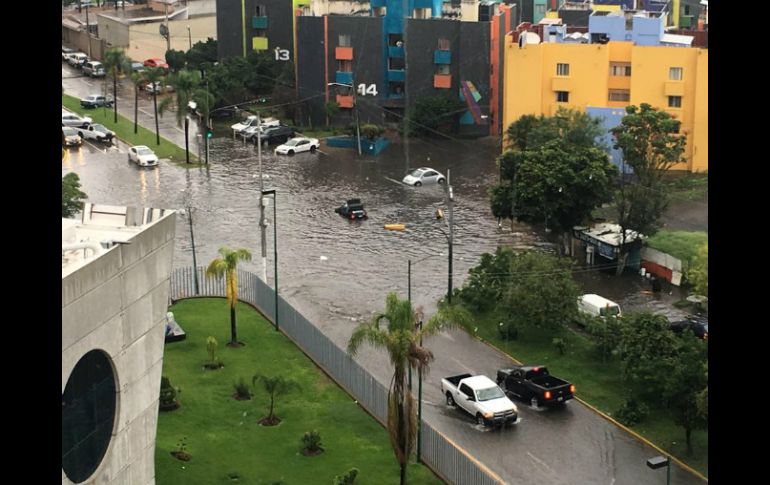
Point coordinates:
pixel 202 53
pixel 698 272
pixel 488 282
pixel 331 108
pixel 371 131
pixel 648 351
pixel 651 144
pixel 176 60
pixel 401 338
pixel 227 266
pixel 556 171
pixel 684 382
pixel 434 115
pixel 275 386
pixel 541 292
pixel 185 83
pixel 72 197
pixel 115 63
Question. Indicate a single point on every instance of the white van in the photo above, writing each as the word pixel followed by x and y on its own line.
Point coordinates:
pixel 598 306
pixel 94 69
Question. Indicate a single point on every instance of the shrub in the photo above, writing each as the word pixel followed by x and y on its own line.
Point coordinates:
pixel 560 345
pixel 181 452
pixel 508 331
pixel 632 412
pixel 371 131
pixel 242 390
pixel 311 443
pixel 346 479
pixel 211 348
pixel 168 395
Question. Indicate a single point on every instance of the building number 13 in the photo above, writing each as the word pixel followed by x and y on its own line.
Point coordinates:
pixel 363 89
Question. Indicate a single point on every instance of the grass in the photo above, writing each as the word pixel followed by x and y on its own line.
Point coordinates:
pixel 680 244
pixel 124 129
pixel 600 384
pixel 689 186
pixel 223 435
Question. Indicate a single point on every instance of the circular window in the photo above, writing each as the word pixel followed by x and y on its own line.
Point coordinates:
pixel 87 415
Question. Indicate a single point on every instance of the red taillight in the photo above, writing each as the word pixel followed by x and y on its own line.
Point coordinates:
pixel 352 216
pixel 572 388
pixel 706 336
pixel 548 394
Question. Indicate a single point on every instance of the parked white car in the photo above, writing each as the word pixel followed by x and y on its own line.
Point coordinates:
pixel 296 145
pixel 424 176
pixel 598 306
pixel 72 119
pixel 71 137
pixel 142 156
pixel 77 59
pixel 97 132
pixel 251 122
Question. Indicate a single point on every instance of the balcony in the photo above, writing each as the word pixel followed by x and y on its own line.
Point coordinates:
pixel 344 77
pixel 259 23
pixel 395 51
pixel 443 81
pixel 442 57
pixel 398 75
pixel 259 43
pixel 345 101
pixel 343 53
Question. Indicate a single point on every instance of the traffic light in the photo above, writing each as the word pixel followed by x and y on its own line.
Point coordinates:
pixel 209 133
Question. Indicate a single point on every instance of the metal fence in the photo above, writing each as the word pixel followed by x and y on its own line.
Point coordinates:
pixel 451 463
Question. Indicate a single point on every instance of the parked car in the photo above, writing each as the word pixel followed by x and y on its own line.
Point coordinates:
pixel 296 145
pixel 424 176
pixel 72 119
pixel 96 101
pixel 535 384
pixel 222 113
pixel 70 137
pixel 352 209
pixel 481 398
pixel 697 325
pixel 253 121
pixel 142 156
pixel 94 69
pixel 98 133
pixel 137 67
pixel 271 135
pixel 65 53
pixel 156 88
pixel 597 306
pixel 77 59
pixel 155 62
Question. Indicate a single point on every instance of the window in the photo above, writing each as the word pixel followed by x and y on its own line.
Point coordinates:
pixel 395 40
pixel 442 69
pixel 465 389
pixel 396 63
pixel 345 66
pixel 674 101
pixel 344 40
pixel 562 69
pixel 443 44
pixel 620 69
pixel 675 74
pixel 396 88
pixel 622 95
pixel 380 11
pixel 260 10
pixel 562 96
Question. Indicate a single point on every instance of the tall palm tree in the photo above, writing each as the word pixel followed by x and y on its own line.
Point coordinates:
pixel 401 338
pixel 137 78
pixel 114 63
pixel 227 266
pixel 153 75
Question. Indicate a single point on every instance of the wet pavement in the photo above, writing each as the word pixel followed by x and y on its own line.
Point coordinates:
pixel 338 272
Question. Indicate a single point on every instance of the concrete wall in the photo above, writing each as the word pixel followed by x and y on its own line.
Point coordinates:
pixel 115 33
pixel 81 41
pixel 117 303
pixel 146 42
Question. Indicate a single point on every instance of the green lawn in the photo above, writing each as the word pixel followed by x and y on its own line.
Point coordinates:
pixel 601 385
pixel 223 435
pixel 680 244
pixel 124 129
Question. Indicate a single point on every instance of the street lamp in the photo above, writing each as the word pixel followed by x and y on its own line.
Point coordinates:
pixel 660 462
pixel 189 210
pixel 275 249
pixel 450 236
pixel 355 107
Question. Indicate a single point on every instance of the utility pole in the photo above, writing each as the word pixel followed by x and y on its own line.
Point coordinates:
pixel 262 225
pixel 192 240
pixel 450 203
pixel 189 36
pixel 358 125
pixel 88 32
pixel 206 135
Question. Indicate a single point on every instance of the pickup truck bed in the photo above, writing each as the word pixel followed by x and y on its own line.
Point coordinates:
pixel 536 384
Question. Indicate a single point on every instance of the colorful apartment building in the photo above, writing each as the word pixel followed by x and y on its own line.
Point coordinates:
pixel 615 69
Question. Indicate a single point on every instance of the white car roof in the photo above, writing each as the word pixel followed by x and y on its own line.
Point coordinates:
pixel 140 146
pixel 597 300
pixel 479 382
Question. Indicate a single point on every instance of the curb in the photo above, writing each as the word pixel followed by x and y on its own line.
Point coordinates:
pixel 613 421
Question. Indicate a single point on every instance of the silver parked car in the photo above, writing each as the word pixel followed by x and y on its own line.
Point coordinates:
pixel 142 156
pixel 72 119
pixel 424 176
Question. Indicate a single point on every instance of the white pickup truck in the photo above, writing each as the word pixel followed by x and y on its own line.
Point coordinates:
pixel 97 132
pixel 481 397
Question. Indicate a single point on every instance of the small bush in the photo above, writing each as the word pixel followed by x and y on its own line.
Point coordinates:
pixel 371 131
pixel 181 452
pixel 508 331
pixel 211 348
pixel 560 345
pixel 168 395
pixel 632 412
pixel 346 479
pixel 311 443
pixel 242 390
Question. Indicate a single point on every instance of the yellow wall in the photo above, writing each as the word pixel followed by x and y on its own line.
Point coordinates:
pixel 530 84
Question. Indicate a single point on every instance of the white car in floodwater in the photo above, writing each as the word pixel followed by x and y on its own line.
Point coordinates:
pixel 142 156
pixel 296 145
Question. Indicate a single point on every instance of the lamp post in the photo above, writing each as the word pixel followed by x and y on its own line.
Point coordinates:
pixel 450 235
pixel 660 462
pixel 355 108
pixel 189 37
pixel 189 210
pixel 275 248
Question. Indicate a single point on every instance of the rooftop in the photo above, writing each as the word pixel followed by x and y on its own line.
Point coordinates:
pixel 101 228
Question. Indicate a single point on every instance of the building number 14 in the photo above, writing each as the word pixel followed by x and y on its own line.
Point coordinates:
pixel 363 89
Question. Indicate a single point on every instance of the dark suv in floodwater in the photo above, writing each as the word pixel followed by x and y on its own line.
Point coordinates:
pixel 696 324
pixel 352 209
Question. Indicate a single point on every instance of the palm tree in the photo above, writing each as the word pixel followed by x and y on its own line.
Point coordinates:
pixel 137 78
pixel 114 63
pixel 275 386
pixel 402 340
pixel 155 75
pixel 185 83
pixel 227 266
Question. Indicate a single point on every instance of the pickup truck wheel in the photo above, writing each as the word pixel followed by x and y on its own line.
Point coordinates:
pixel 450 400
pixel 312 148
pixel 535 402
pixel 480 420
